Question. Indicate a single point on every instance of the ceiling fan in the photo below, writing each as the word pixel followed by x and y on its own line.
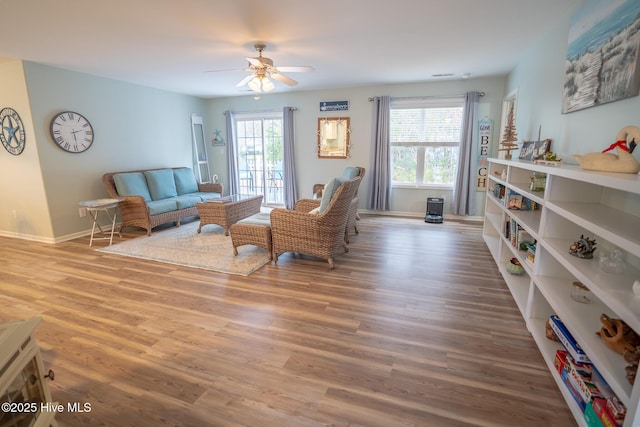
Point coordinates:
pixel 262 68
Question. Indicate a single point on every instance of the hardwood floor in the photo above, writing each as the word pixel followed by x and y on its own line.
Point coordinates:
pixel 414 327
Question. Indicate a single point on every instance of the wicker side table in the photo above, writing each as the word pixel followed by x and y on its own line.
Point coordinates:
pixel 254 230
pixel 227 210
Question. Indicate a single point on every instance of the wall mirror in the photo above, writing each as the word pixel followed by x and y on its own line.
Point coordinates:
pixel 333 137
pixel 200 160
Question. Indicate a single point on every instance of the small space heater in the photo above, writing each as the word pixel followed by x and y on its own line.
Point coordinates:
pixel 435 207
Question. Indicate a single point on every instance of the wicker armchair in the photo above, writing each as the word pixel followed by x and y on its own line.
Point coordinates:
pixel 353 210
pixel 319 235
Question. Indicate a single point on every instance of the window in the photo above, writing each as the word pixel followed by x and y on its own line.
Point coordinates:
pixel 260 164
pixel 425 141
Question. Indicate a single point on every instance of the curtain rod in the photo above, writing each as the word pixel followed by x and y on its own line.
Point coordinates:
pixel 260 111
pixel 371 98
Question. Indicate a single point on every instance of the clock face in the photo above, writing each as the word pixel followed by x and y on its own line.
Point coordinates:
pixel 72 132
pixel 12 132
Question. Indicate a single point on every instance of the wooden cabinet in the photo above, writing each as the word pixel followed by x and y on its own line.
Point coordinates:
pixel 24 393
pixel 603 206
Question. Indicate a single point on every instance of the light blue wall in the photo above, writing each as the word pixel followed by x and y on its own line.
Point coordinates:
pixel 135 127
pixel 539 79
pixel 312 170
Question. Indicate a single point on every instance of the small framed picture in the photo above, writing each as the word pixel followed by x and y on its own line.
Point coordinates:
pixel 534 150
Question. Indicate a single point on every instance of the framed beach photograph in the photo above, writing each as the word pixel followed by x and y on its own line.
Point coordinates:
pixel 603 58
pixel 534 150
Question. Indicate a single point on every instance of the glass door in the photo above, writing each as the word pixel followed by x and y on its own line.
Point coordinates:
pixel 260 157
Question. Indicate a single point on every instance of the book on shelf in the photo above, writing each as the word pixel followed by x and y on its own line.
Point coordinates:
pixel 523 239
pixel 515 201
pixel 567 340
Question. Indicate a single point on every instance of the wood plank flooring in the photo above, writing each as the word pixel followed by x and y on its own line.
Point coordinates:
pixel 414 327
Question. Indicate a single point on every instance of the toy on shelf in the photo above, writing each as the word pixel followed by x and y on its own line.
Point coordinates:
pixel 623 162
pixel 619 337
pixel 583 248
pixel 514 267
pixel 549 159
pixel 509 137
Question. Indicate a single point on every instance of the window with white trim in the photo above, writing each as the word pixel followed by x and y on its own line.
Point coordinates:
pixel 425 141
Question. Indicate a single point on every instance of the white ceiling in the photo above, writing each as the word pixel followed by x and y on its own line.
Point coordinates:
pixel 168 44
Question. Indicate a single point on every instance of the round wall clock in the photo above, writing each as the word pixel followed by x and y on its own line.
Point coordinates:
pixel 12 132
pixel 72 132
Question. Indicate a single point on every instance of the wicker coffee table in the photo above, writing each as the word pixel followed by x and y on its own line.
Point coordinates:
pixel 227 210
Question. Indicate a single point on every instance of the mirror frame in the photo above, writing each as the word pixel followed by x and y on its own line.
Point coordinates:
pixel 334 137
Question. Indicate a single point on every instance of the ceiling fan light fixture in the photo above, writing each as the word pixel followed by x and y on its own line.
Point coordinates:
pixel 261 84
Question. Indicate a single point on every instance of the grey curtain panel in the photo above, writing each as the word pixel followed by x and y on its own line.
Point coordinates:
pixel 290 191
pixel 234 184
pixel 463 195
pixel 379 192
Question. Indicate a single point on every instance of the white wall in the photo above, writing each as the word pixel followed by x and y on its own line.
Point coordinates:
pixel 539 79
pixel 24 210
pixel 312 170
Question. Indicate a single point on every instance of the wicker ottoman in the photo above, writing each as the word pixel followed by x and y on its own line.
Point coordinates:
pixel 254 230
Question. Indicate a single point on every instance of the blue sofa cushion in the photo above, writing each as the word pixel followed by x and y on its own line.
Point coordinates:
pixel 328 192
pixel 161 184
pixel 157 207
pixel 206 196
pixel 187 201
pixel 132 184
pixel 185 181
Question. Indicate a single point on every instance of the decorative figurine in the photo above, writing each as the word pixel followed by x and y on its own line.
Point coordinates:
pixel 509 137
pixel 619 337
pixel 623 162
pixel 632 358
pixel 583 248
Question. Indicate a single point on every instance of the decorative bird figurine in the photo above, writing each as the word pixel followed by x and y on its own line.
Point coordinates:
pixel 608 162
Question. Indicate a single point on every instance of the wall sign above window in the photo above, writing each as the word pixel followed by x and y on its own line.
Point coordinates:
pixel 334 106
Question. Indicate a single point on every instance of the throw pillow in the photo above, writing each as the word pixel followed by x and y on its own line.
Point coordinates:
pixel 161 183
pixel 329 191
pixel 132 184
pixel 185 181
pixel 350 172
pixel 315 211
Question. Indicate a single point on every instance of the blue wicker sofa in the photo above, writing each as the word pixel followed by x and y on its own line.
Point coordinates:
pixel 157 196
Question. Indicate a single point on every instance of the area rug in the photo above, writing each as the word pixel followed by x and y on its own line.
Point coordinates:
pixel 209 250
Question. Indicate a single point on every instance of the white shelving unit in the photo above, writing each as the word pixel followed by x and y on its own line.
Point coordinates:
pixel 604 206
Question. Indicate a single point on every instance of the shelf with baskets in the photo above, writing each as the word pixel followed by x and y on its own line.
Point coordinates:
pixel 572 203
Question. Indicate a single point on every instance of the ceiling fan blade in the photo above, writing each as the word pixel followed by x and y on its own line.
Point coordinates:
pixel 245 80
pixel 255 62
pixel 284 79
pixel 301 69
